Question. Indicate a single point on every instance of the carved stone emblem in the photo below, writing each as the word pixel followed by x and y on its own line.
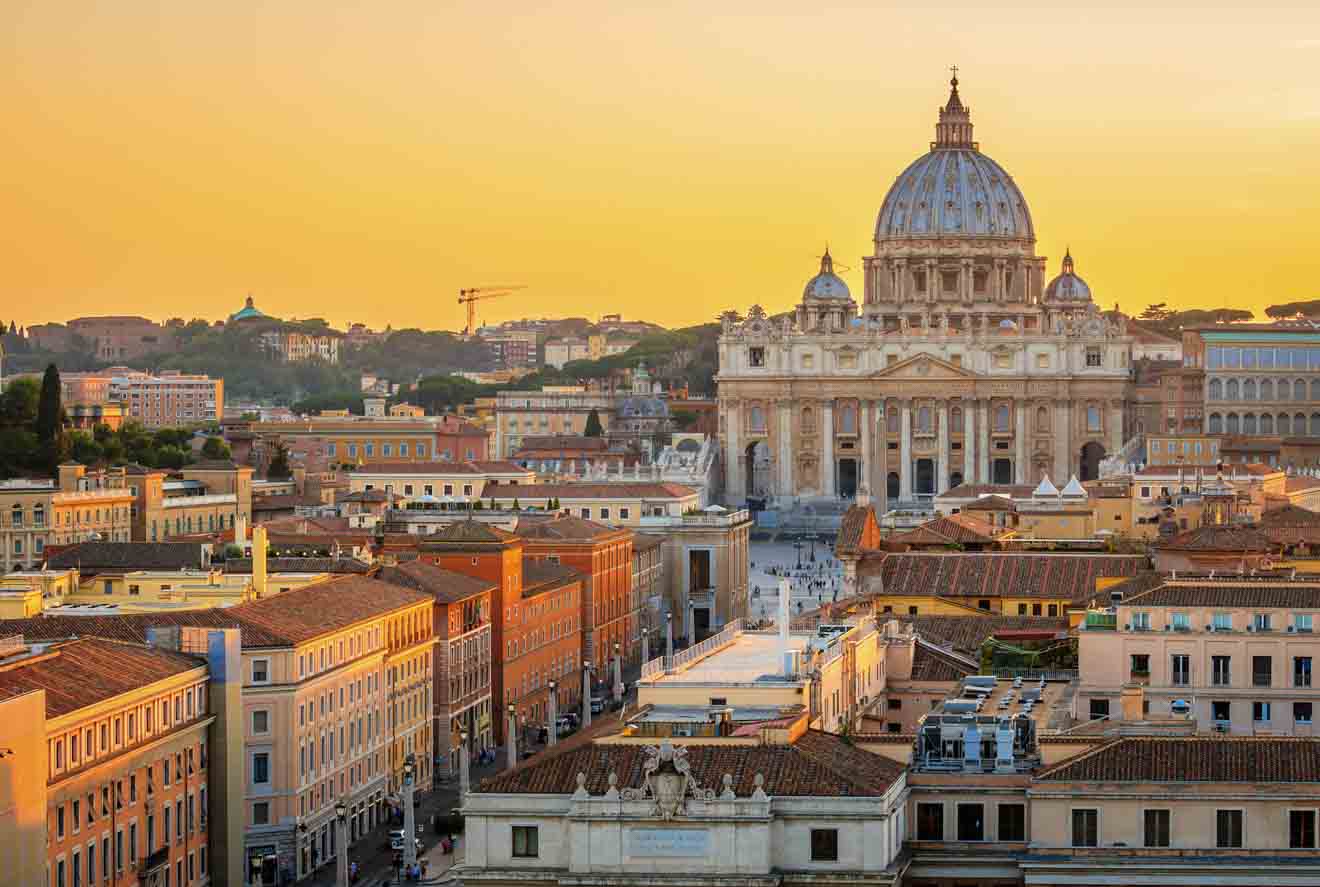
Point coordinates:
pixel 667 780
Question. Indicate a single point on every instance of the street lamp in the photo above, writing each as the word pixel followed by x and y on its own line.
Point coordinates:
pixel 586 693
pixel 797 544
pixel 341 854
pixel 618 674
pixel 669 640
pixel 462 764
pixel 409 830
pixel 646 645
pixel 512 731
pixel 552 734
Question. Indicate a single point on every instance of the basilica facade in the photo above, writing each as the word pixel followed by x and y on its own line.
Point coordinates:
pixel 962 364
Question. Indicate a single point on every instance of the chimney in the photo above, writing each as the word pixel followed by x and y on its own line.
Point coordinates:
pixel 259 561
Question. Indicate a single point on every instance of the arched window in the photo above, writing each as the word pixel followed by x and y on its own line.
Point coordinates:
pixel 756 419
pixel 1266 389
pixel 1231 390
pixel 808 419
pixel 1266 423
pixel 892 421
pixel 1216 423
pixel 1284 423
pixel 38 515
pixel 1315 389
pixel 1299 424
pixel 16 519
pixel 1249 423
pixel 1285 389
pixel 956 420
pixel 1299 390
pixel 1249 389
pixel 848 420
pixel 1315 425
pixel 1001 417
pixel 1232 425
pixel 1042 419
pixel 923 420
pixel 1216 390
pixel 1092 418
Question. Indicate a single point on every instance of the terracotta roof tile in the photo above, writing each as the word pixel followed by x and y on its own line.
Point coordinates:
pixel 619 490
pixel 445 585
pixel 967 633
pixel 469 532
pixel 565 528
pixel 930 664
pixel 1187 759
pixel 543 576
pixel 1269 593
pixel 101 556
pixel 1219 538
pixel 243 565
pixel 852 528
pixel 949 530
pixel 305 613
pixel 977 575
pixel 440 468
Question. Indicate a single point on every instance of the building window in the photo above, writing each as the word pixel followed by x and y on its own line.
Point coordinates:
pixel 1220 671
pixel 1262 671
pixel 604 514
pixel 1181 668
pixel 261 813
pixel 930 822
pixel 1221 711
pixel 1302 712
pixel 525 841
pixel 1086 828
pixel 1301 829
pixel 260 768
pixel 1156 828
pixel 1092 418
pixel 261 721
pixel 1260 712
pixel 1302 622
pixel 1260 621
pixel 1228 828
pixel 1093 356
pixel 824 845
pixel 1099 709
pixel 624 513
pixel 1221 621
pixel 1140 665
pixel 756 358
pixel 971 822
pixel 1012 822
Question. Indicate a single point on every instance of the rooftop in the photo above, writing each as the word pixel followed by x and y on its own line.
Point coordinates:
pixel 1051 575
pixel 1234 592
pixel 446 586
pixel 1193 759
pixel 543 576
pixel 441 468
pixel 131 556
pixel 565 528
pixel 751 657
pixel 617 490
pixel 1219 538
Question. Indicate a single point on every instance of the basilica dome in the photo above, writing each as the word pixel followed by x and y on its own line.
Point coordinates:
pixel 1068 287
pixel 826 284
pixel 954 190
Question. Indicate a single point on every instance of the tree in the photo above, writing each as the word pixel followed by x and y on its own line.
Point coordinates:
pixel 593 424
pixel 84 448
pixel 215 448
pixel 279 461
pixel 50 419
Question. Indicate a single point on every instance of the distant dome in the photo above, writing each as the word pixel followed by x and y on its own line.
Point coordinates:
pixel 1068 287
pixel 826 284
pixel 954 190
pixel 247 312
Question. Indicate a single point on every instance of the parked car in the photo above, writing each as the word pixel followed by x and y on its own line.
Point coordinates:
pixel 597 705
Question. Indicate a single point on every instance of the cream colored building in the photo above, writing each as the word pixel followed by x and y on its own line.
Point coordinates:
pixel 555 409
pixel 433 482
pixel 72 508
pixel 962 362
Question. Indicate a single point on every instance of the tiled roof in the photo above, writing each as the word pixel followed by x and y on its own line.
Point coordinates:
pixel 971 491
pixel 215 465
pixel 976 575
pixel 647 541
pixel 1209 471
pixel 1193 759
pixel 366 496
pixel 542 576
pixel 993 502
pixel 87 671
pixel 565 528
pixel 954 529
pixel 445 585
pixel 469 532
pixel 852 527
pixel 283 502
pixel 1138 584
pixel 1219 538
pixel 129 627
pixel 243 565
pixel 967 633
pixel 1231 593
pixel 440 468
pixel 563 442
pixel 91 556
pixel 930 664
pixel 816 765
pixel 620 490
pixel 314 610
pixel 1291 516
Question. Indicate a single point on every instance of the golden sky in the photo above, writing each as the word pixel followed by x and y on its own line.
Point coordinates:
pixel 363 161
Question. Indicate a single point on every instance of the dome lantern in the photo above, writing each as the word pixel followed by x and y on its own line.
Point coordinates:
pixel 955 127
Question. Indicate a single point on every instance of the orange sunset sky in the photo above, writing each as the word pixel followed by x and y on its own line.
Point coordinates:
pixel 363 161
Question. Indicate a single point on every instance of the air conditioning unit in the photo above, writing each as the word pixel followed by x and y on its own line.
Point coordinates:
pixel 1291 629
pixel 1211 628
pixel 1127 627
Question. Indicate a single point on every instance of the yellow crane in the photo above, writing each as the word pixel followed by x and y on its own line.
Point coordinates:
pixel 472 295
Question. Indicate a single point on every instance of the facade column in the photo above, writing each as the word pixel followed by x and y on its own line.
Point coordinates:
pixel 905 455
pixel 969 449
pixel 882 456
pixel 827 448
pixel 942 443
pixel 1115 428
pixel 1020 443
pixel 864 430
pixel 785 449
pixel 1062 441
pixel 983 440
pixel 735 490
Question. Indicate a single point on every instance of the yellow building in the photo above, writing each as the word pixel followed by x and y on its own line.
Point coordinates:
pixel 26 593
pixel 73 508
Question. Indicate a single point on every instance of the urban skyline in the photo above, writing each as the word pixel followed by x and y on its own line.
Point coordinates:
pixel 661 165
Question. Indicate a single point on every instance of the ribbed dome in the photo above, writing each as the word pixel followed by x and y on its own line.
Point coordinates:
pixel 1068 287
pixel 826 284
pixel 954 190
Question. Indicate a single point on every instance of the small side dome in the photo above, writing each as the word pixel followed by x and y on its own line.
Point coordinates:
pixel 1068 287
pixel 826 284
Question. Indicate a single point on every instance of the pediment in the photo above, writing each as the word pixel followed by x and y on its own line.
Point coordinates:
pixel 924 366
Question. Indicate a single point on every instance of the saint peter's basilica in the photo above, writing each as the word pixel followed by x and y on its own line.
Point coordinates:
pixel 962 364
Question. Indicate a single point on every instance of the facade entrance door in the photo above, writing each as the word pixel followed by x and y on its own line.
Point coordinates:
pixel 847 478
pixel 1003 471
pixel 925 477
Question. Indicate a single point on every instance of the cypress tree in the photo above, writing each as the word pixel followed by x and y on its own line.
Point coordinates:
pixel 593 428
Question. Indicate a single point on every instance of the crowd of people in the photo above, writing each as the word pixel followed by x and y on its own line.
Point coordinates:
pixel 812 583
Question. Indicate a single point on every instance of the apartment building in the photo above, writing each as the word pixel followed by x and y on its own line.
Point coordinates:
pixel 168 399
pixel 1166 397
pixel 703 580
pixel 555 409
pixel 71 508
pixel 610 611
pixel 293 345
pixel 561 351
pixel 620 503
pixel 206 497
pixel 543 646
pixel 124 796
pixel 1236 653
pixel 463 657
pixel 1260 380
pixel 432 482
pixel 322 443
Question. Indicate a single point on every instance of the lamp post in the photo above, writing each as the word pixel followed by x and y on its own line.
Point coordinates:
pixel 618 674
pixel 552 733
pixel 341 850
pixel 512 731
pixel 797 544
pixel 646 645
pixel 409 829
pixel 462 765
pixel 669 640
pixel 691 621
pixel 586 693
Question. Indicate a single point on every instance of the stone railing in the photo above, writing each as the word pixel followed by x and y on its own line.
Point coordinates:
pixel 723 638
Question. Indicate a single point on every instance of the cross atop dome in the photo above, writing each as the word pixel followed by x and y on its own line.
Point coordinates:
pixel 955 127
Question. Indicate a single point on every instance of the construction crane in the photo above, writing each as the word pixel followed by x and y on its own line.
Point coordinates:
pixel 471 296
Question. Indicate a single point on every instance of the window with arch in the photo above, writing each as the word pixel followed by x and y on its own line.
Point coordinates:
pixel 1315 389
pixel 1299 389
pixel 808 419
pixel 892 421
pixel 1216 423
pixel 1232 425
pixel 1001 417
pixel 923 420
pixel 956 420
pixel 1315 425
pixel 1231 390
pixel 1285 389
pixel 1266 423
pixel 16 516
pixel 1266 389
pixel 1284 423
pixel 1249 423
pixel 1092 418
pixel 1216 390
pixel 1299 424
pixel 848 419
pixel 39 515
pixel 756 419
pixel 1249 389
pixel 1042 419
